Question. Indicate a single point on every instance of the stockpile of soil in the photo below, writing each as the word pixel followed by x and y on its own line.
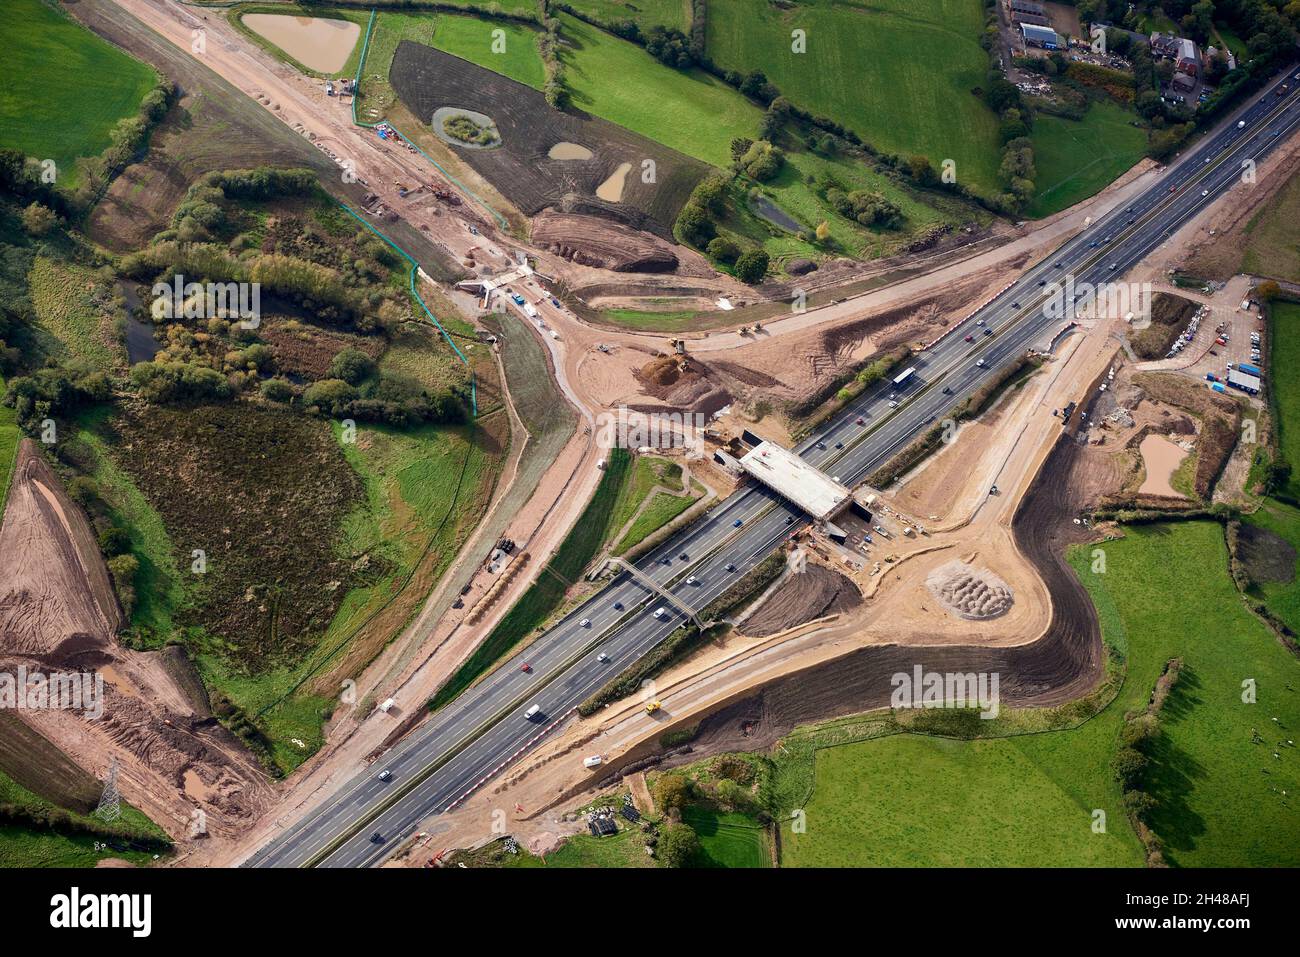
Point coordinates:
pixel 692 390
pixel 815 593
pixel 973 594
pixel 591 241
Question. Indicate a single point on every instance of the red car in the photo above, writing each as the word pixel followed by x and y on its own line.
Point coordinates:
pixel 970 338
pixel 526 667
pixel 861 421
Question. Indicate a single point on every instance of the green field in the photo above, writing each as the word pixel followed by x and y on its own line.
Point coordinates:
pixel 66 87
pixel 691 112
pixel 26 845
pixel 1272 246
pixel 727 839
pixel 74 323
pixel 472 39
pixel 1284 374
pixel 897 72
pixel 908 800
pixel 795 190
pixel 645 13
pixel 1077 159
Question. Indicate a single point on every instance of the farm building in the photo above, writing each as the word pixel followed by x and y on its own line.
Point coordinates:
pixel 1044 37
pixel 1020 8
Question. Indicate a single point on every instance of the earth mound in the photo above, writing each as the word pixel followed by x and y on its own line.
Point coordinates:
pixel 973 594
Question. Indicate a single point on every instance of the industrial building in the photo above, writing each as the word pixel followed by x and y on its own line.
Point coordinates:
pixel 1038 36
pixel 796 480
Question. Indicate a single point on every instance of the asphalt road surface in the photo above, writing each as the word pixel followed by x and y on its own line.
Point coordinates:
pixel 472 739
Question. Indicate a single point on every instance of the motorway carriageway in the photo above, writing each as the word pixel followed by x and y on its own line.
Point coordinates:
pixel 473 738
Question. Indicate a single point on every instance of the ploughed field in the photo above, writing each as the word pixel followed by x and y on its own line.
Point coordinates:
pixel 521 167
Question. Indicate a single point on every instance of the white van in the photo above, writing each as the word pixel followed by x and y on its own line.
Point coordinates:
pixel 592 762
pixel 532 713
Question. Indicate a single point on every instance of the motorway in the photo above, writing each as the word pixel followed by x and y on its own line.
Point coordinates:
pixel 472 739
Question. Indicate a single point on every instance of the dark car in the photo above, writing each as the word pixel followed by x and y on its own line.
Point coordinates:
pixel 376 838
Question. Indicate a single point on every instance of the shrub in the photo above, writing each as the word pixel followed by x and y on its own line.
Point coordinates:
pixel 677 845
pixel 277 390
pixel 352 366
pixel 751 266
pixel 672 791
pixel 723 250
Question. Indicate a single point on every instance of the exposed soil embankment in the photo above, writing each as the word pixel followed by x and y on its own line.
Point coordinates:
pixel 807 596
pixel 1062 665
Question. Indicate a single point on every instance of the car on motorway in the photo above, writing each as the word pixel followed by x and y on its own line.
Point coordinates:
pixel 839 445
pixel 660 612
pixel 862 421
pixel 385 775
pixel 988 332
pixel 970 338
pixel 821 445
pixel 683 556
pixel 618 606
pixel 376 838
pixel 1205 192
pixel 533 713
pixel 692 580
pixel 602 657
pixel 789 519
pixel 737 523
pixel 730 567
pixel 526 668
pixel 979 363
pixel 893 403
pixel 585 623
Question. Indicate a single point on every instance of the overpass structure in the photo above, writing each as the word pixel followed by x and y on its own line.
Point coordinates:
pixel 796 480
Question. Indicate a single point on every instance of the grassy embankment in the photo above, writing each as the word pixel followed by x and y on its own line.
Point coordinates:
pixel 547 593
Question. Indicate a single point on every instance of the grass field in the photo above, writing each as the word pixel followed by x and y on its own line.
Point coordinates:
pixel 472 39
pixel 1284 375
pixel 645 13
pixel 728 839
pixel 909 800
pixel 1077 159
pixel 648 472
pixel 793 192
pixel 64 297
pixel 65 87
pixel 1272 245
pixel 691 112
pixel 897 72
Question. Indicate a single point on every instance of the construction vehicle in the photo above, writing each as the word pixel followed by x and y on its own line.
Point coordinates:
pixel 652 706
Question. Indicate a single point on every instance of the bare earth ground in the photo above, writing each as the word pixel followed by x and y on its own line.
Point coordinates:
pixel 58 613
